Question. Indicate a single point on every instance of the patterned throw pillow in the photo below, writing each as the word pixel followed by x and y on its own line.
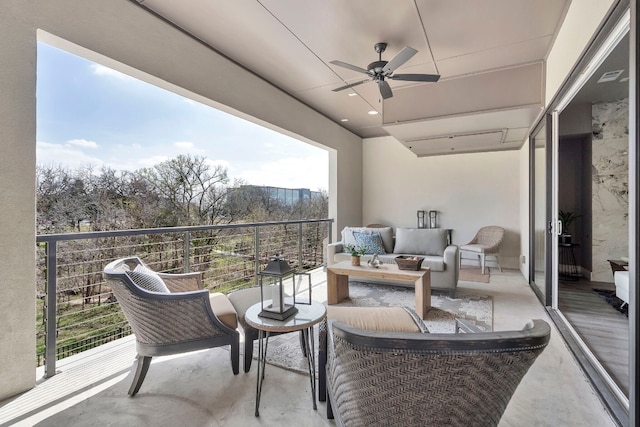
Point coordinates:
pixel 147 279
pixel 371 243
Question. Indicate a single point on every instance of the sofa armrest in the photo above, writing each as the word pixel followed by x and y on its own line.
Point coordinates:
pixel 451 255
pixel 452 264
pixel 332 249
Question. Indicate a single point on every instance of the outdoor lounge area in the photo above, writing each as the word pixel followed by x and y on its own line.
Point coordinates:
pixel 492 114
pixel 199 388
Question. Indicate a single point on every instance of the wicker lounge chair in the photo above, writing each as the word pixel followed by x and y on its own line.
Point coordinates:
pixel 485 243
pixel 415 379
pixel 171 315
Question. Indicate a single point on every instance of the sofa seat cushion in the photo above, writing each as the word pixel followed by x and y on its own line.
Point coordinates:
pixel 435 263
pixel 386 233
pixel 381 319
pixel 421 241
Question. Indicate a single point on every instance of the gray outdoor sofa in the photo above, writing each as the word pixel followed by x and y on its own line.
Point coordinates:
pixel 432 244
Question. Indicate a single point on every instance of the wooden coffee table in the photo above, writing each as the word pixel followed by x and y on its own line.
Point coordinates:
pixel 338 281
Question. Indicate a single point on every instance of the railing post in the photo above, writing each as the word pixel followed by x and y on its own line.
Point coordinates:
pixel 50 310
pixel 257 249
pixel 300 247
pixel 187 252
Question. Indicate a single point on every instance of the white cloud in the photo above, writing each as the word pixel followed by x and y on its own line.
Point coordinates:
pixel 309 172
pixel 82 143
pixel 65 155
pixel 101 70
pixel 184 144
pixel 151 161
pixel 213 163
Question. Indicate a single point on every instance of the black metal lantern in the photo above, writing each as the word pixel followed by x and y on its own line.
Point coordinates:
pixel 433 219
pixel 421 218
pixel 273 276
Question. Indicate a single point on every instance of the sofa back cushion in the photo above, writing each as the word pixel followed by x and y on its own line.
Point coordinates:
pixel 421 241
pixel 386 233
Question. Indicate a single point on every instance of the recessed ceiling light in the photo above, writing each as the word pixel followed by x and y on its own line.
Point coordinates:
pixel 344 120
pixel 372 112
pixel 624 79
pixel 353 94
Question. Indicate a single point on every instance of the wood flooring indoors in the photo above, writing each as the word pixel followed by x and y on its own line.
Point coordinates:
pixel 604 329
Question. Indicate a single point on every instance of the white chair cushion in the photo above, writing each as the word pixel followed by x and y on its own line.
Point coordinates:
pixel 147 279
pixel 621 279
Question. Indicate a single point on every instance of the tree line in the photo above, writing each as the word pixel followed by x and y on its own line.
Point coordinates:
pixel 185 190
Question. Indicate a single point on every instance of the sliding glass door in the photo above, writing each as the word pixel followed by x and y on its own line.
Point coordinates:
pixel 540 208
pixel 579 160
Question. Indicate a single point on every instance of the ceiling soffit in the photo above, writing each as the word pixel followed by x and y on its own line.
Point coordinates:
pixel 487 91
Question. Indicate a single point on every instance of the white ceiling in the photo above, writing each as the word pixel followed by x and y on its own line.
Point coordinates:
pixel 489 54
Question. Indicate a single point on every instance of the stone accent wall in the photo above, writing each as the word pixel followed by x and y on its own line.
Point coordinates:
pixel 610 192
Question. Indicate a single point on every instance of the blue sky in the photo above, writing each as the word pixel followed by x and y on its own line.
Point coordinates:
pixel 89 114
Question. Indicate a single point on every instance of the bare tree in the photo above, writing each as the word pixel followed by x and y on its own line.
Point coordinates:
pixel 194 189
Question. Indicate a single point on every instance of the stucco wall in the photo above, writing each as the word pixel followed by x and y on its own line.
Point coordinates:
pixel 468 190
pixel 120 34
pixel 580 24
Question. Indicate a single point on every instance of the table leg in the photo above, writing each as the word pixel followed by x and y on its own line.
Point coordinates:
pixel 337 287
pixel 263 343
pixel 423 295
pixel 309 341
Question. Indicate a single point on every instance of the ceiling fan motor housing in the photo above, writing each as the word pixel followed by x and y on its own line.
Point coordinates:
pixel 376 67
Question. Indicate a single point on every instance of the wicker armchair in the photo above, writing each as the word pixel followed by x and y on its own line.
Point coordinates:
pixel 414 379
pixel 171 315
pixel 485 243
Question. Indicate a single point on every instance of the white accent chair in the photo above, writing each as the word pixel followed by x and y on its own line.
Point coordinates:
pixel 485 243
pixel 621 279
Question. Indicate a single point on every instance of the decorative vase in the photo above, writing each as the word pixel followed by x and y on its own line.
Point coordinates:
pixel 355 261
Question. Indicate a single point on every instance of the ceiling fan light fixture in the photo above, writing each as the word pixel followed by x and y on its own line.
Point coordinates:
pixel 380 70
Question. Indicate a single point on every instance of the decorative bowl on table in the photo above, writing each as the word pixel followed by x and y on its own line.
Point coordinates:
pixel 374 262
pixel 413 263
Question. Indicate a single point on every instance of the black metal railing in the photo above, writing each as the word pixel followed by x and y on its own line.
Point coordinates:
pixel 77 310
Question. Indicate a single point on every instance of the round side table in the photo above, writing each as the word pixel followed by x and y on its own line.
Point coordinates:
pixel 307 316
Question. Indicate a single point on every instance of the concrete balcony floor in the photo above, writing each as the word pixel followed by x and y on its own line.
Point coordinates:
pixel 199 389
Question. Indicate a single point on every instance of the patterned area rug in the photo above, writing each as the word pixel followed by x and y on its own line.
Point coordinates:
pixel 284 350
pixel 474 274
pixel 611 299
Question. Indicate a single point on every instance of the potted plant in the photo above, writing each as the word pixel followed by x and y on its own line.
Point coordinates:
pixel 356 252
pixel 567 218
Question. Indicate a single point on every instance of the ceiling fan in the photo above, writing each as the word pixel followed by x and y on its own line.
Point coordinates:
pixel 379 71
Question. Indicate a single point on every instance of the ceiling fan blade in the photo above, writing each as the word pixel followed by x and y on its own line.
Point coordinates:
pixel 403 56
pixel 416 77
pixel 349 66
pixel 351 85
pixel 385 89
